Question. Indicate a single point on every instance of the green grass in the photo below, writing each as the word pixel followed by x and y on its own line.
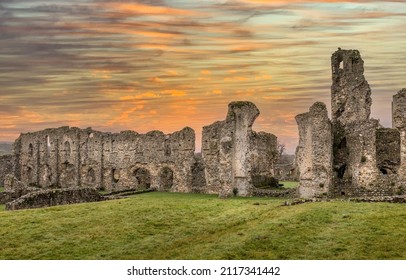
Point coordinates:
pixel 289 184
pixel 192 226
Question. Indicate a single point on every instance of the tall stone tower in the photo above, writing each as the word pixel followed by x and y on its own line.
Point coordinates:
pixel 354 133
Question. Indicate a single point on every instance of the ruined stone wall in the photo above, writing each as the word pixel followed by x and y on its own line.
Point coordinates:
pixel 70 157
pixel 232 152
pixel 6 167
pixel 350 92
pixel 399 122
pixel 368 160
pixel 388 150
pixel 354 133
pixel 54 197
pixel 314 152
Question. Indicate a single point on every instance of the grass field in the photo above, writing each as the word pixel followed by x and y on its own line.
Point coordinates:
pixel 192 226
pixel 289 184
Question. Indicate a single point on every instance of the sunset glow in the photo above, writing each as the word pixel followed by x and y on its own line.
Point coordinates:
pixel 163 65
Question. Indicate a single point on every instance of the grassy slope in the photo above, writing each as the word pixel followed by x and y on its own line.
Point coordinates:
pixel 187 226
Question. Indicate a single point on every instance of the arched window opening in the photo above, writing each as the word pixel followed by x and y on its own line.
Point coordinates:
pixel 166 178
pixel 67 149
pixel 143 178
pixel 30 150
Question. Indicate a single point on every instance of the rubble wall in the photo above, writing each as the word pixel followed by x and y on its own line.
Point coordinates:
pixel 70 157
pixel 6 167
pixel 232 152
pixel 388 150
pixel 399 122
pixel 54 197
pixel 314 152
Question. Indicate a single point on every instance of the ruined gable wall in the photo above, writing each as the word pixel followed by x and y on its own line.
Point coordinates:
pixel 314 152
pixel 69 157
pixel 232 151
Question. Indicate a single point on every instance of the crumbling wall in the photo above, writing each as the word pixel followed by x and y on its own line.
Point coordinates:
pixel 361 142
pixel 53 197
pixel 263 157
pixel 388 150
pixel 198 175
pixel 231 150
pixel 350 92
pixel 314 152
pixel 354 133
pixel 6 167
pixel 366 157
pixel 399 122
pixel 69 157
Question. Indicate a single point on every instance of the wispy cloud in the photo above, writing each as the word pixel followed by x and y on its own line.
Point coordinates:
pixel 153 64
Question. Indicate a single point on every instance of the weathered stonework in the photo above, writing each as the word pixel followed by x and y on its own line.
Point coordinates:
pixel 399 122
pixel 314 152
pixel 53 197
pixel 6 167
pixel 233 153
pixel 70 157
pixel 366 158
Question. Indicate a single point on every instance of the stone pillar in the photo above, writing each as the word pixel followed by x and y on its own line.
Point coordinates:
pixel 243 115
pixel 399 122
pixel 314 152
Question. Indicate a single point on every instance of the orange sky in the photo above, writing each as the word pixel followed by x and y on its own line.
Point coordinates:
pixel 155 64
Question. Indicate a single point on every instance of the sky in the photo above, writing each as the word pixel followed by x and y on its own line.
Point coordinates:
pixel 165 64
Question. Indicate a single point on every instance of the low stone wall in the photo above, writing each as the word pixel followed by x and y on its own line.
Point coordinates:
pixel 53 197
pixel 385 185
pixel 9 196
pixel 390 199
pixel 286 193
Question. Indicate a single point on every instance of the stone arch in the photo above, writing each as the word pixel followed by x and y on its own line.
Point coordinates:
pixel 166 178
pixel 142 177
pixel 47 175
pixel 115 175
pixel 67 149
pixel 48 144
pixel 30 175
pixel 30 150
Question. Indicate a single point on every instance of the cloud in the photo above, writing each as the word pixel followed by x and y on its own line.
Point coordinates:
pixel 152 64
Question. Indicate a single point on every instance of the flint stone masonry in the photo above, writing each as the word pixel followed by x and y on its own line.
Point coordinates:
pixel 388 150
pixel 314 152
pixel 53 197
pixel 70 157
pixel 6 167
pixel 350 92
pixel 367 159
pixel 233 153
pixel 399 122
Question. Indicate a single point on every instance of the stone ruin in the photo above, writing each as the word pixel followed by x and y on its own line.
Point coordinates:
pixel 352 154
pixel 349 155
pixel 233 161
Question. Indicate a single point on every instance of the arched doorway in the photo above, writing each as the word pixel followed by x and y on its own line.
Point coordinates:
pixel 166 179
pixel 142 178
